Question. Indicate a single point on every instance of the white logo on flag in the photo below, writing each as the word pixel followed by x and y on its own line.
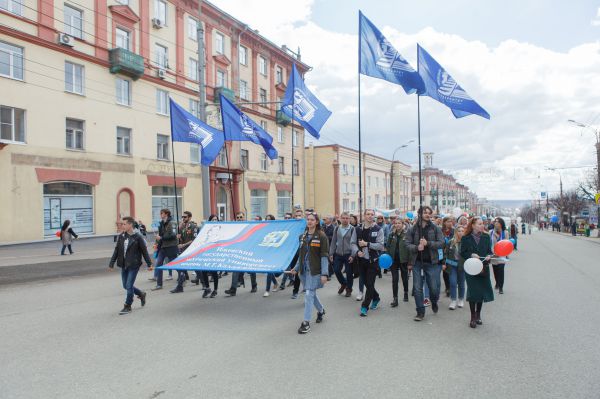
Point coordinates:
pixel 390 60
pixel 247 128
pixel 274 239
pixel 304 109
pixel 448 87
pixel 198 132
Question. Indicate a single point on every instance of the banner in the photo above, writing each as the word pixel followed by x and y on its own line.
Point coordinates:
pixel 256 246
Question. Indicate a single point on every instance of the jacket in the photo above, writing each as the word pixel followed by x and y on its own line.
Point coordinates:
pixel 392 247
pixel 346 246
pixel 375 237
pixel 452 254
pixel 468 247
pixel 318 248
pixel 66 236
pixel 188 232
pixel 435 241
pixel 132 258
pixel 167 230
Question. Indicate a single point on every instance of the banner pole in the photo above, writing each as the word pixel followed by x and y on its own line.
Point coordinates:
pixel 419 140
pixel 174 177
pixel 230 178
pixel 360 196
pixel 292 140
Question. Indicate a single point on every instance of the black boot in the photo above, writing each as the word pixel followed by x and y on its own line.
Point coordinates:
pixel 406 297
pixel 394 302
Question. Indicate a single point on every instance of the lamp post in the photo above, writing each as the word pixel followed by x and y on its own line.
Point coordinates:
pixel 597 136
pixel 392 172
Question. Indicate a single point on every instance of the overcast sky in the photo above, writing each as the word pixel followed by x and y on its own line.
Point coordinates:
pixel 532 64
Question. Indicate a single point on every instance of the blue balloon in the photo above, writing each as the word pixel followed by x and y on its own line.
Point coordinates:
pixel 554 219
pixel 513 241
pixel 410 215
pixel 385 261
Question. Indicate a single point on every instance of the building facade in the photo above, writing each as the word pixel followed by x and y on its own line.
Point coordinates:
pixel 332 180
pixel 85 128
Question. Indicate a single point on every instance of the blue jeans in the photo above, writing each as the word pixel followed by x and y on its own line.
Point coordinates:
pixel 270 279
pixel 457 277
pixel 432 277
pixel 311 299
pixel 128 277
pixel 426 286
pixel 340 261
pixel 169 253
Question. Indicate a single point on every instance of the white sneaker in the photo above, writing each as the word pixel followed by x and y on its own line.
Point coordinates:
pixel 461 303
pixel 359 296
pixel 266 294
pixel 169 278
pixel 452 305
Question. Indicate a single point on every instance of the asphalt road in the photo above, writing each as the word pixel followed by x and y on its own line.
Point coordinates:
pixel 63 338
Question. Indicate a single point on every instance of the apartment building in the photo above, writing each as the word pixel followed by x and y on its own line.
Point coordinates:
pixel 85 128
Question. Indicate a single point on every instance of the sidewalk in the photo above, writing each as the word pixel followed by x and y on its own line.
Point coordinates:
pixel 592 238
pixel 49 251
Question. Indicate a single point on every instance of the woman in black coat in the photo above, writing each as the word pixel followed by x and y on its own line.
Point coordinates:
pixel 477 244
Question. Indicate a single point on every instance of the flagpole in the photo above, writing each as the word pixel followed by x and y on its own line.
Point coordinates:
pixel 360 196
pixel 230 178
pixel 174 177
pixel 292 118
pixel 419 141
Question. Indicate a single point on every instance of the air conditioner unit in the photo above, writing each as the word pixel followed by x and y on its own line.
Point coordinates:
pixel 161 73
pixel 65 39
pixel 157 23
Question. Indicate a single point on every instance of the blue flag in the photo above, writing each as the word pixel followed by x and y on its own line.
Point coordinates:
pixel 440 86
pixel 308 110
pixel 379 59
pixel 185 127
pixel 237 126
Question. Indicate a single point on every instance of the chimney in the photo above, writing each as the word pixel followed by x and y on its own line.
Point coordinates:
pixel 428 158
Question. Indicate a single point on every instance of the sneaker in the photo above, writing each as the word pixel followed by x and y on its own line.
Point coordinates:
pixel 359 296
pixel 434 307
pixel 213 294
pixel 230 292
pixel 282 287
pixel 320 316
pixel 142 298
pixel 206 293
pixel 266 294
pixel 126 309
pixel 294 295
pixel 169 278
pixel 374 304
pixel 304 327
pixel 342 289
pixel 176 290
pixel 363 312
pixel 500 291
pixel 419 317
pixel 461 303
pixel 152 279
pixel 426 302
pixel 158 287
pixel 452 305
pixel 275 287
pixel 253 289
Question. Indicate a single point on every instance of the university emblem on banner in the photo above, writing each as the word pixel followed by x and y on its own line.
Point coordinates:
pixel 448 88
pixel 196 131
pixel 391 60
pixel 274 239
pixel 304 109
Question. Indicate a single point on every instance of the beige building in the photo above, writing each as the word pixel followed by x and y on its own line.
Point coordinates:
pixel 84 118
pixel 332 180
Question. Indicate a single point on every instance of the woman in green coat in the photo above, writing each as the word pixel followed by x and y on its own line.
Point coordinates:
pixel 477 244
pixel 397 249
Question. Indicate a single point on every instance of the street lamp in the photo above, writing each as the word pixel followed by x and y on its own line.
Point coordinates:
pixel 392 172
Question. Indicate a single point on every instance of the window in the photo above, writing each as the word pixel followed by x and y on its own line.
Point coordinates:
pixel 222 157
pixel 353 206
pixel 12 124
pixel 221 78
pixel 162 102
pixel 164 197
pixel 193 69
pixel 353 188
pixel 244 90
pixel 244 159
pixel 160 11
pixel 369 182
pixel 243 55
pixel 219 43
pixel 11 61
pixel 295 139
pixel 263 96
pixel 377 200
pixel 377 182
pixel 345 188
pixel 279 75
pixel 162 147
pixel 122 39
pixel 74 136
pixel 279 134
pixel 284 203
pixel 68 200
pixel 352 170
pixel 345 205
pixel 123 92
pixel 195 107
pixel 192 29
pixel 281 165
pixel 194 153
pixel 13 6
pixel 123 141
pixel 263 124
pixel 262 65
pixel 258 203
pixel 74 78
pixel 73 22
pixel 263 162
pixel 369 201
pixel 296 167
pixel 344 169
pixel 161 56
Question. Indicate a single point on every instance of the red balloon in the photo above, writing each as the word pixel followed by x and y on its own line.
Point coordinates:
pixel 503 248
pixel 57 233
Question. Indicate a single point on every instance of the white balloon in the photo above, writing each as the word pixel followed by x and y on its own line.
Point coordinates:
pixel 456 212
pixel 473 266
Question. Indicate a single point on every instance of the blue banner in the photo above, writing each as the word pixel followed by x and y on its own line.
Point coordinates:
pixel 238 126
pixel 379 59
pixel 440 86
pixel 256 246
pixel 307 109
pixel 185 127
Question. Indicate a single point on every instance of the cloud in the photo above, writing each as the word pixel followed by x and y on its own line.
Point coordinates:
pixel 529 91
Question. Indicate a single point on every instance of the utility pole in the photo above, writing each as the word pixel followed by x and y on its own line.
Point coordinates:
pixel 202 109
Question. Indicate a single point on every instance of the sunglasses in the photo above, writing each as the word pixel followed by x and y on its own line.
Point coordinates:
pixel 239 217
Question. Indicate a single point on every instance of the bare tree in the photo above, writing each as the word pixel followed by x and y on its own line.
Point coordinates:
pixel 590 186
pixel 570 202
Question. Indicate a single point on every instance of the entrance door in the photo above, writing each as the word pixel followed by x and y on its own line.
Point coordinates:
pixel 222 211
pixel 222 201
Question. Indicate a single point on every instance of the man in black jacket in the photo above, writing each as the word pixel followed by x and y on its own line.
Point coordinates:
pixel 128 253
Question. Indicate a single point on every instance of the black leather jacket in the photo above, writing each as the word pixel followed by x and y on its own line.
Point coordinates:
pixel 136 248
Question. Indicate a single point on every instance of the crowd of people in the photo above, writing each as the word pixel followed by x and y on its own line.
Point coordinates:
pixel 429 249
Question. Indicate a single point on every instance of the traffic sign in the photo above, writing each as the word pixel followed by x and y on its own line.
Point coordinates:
pixel 597 198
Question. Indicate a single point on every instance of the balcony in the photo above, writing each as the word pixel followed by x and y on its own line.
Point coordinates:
pixel 283 119
pixel 228 93
pixel 125 62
